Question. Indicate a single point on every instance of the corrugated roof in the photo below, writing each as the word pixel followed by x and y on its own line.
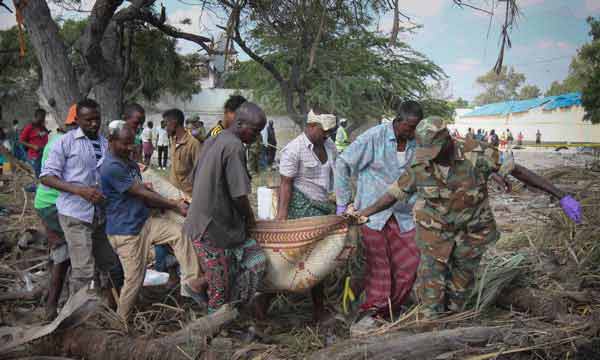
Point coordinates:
pixel 516 106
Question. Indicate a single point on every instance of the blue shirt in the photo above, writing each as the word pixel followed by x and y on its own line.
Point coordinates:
pixel 373 159
pixel 125 213
pixel 73 160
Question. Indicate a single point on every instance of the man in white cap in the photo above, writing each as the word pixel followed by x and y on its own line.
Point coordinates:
pixel 306 169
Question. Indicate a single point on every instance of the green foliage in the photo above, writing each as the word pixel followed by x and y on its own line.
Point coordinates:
pixel 460 103
pixel 355 73
pixel 529 92
pixel 590 55
pixel 157 68
pixel 17 74
pixel 579 71
pixel 499 87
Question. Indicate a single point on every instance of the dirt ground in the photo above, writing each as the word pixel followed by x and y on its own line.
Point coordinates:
pixel 289 332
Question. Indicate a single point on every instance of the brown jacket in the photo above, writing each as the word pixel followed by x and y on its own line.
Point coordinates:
pixel 184 155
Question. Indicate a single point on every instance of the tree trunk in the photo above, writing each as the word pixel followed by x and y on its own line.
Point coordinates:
pixel 109 92
pixel 59 81
pixel 401 346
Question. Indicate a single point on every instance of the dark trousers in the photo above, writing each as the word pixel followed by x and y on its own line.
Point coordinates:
pixel 163 155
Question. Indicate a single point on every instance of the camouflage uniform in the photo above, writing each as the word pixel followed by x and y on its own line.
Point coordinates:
pixel 455 223
pixel 254 152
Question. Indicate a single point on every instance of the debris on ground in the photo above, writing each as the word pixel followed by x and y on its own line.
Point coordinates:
pixel 537 297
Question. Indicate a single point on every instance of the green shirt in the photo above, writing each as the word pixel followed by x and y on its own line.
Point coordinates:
pixel 45 196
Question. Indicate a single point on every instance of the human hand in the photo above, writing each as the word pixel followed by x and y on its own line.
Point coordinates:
pixel 503 182
pixel 149 186
pixel 340 209
pixel 35 147
pixel 572 208
pixel 353 214
pixel 91 194
pixel 182 208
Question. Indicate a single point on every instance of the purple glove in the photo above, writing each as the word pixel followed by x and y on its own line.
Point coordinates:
pixel 571 208
pixel 340 209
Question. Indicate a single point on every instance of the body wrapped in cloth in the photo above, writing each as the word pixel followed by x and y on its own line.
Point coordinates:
pixel 300 253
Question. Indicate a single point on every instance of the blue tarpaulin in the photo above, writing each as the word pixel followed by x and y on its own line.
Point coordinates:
pixel 515 106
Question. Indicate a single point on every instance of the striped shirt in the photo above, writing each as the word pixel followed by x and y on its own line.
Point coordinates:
pixel 73 159
pixel 311 177
pixel 97 148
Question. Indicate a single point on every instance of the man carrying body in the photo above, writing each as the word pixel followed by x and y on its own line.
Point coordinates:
pixel 306 169
pixel 220 213
pixel 130 227
pixel 341 137
pixel 45 207
pixel 72 168
pixel 185 150
pixel 377 158
pixel 231 106
pixel 34 137
pixel 455 223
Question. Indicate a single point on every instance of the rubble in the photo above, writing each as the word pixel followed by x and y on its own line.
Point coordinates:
pixel 537 296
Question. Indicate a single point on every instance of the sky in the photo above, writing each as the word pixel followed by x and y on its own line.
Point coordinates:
pixel 546 37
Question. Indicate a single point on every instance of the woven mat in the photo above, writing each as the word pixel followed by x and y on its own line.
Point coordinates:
pixel 300 253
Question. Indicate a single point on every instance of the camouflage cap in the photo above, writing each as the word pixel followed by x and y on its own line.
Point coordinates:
pixel 429 143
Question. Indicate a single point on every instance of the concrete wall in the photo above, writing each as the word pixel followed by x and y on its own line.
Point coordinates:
pixel 559 125
pixel 208 104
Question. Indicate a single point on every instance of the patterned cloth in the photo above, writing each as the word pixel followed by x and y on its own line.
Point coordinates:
pixel 233 274
pixel 302 206
pixel 72 159
pixel 392 261
pixel 217 129
pixel 311 177
pixel 454 220
pixel 372 158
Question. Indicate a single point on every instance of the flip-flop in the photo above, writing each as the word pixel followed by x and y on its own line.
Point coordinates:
pixel 200 298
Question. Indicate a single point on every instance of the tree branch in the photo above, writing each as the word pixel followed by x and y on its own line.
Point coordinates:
pixel 315 45
pixel 237 37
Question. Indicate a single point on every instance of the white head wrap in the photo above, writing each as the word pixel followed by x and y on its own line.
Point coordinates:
pixel 115 127
pixel 327 121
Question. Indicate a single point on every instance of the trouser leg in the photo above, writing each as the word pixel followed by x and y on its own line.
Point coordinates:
pixel 436 249
pixel 165 232
pixel 78 235
pixel 465 263
pixel 378 272
pixel 404 261
pixel 105 256
pixel 133 252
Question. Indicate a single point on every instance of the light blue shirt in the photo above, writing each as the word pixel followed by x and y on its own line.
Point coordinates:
pixel 373 159
pixel 72 159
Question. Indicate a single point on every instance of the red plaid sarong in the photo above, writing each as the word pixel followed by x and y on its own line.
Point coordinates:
pixel 392 262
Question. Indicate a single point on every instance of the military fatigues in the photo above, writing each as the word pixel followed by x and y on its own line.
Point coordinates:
pixel 455 223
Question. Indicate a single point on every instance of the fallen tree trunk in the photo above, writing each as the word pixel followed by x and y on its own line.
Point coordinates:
pixel 399 346
pixel 98 344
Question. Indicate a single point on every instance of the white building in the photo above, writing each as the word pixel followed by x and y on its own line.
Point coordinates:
pixel 558 118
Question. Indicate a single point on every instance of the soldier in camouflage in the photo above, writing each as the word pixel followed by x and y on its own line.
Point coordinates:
pixel 455 223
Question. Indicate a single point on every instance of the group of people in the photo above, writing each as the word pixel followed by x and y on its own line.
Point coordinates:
pixel 423 192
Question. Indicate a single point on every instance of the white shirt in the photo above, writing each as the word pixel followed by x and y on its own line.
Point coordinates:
pixel 147 135
pixel 163 137
pixel 311 177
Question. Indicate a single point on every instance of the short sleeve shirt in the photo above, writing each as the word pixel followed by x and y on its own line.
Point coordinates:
pixel 453 195
pixel 311 177
pixel 46 196
pixel 35 135
pixel 125 213
pixel 220 176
